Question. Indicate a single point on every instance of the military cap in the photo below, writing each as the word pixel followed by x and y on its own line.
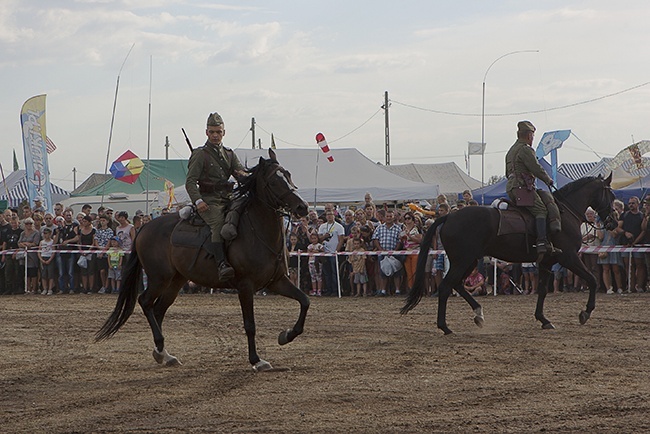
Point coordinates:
pixel 214 120
pixel 525 126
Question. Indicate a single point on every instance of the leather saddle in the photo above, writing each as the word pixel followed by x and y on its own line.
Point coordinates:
pixel 515 220
pixel 193 232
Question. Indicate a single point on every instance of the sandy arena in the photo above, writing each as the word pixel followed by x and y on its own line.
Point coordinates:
pixel 359 367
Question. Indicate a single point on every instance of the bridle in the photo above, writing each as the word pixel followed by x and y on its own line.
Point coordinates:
pixel 605 208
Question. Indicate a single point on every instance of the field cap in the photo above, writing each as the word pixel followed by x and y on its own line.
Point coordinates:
pixel 214 120
pixel 525 126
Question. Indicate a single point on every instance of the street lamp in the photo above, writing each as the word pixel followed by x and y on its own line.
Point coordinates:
pixel 483 115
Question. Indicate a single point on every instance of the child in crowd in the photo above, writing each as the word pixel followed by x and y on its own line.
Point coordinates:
pixel 475 283
pixel 315 265
pixel 46 258
pixel 360 276
pixel 114 256
pixel 293 259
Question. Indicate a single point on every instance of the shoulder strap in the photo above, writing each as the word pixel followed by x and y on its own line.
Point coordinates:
pixel 220 161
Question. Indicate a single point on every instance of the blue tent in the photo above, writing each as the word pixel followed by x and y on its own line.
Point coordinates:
pixel 487 194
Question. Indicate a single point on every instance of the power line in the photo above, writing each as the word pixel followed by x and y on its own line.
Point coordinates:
pixel 279 139
pixel 443 112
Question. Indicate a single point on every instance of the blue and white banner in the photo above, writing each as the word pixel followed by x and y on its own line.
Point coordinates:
pixel 551 140
pixel 32 120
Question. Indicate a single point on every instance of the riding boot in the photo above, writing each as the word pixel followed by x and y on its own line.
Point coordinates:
pixel 229 229
pixel 226 272
pixel 543 246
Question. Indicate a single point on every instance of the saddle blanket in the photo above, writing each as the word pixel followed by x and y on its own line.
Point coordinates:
pixel 190 233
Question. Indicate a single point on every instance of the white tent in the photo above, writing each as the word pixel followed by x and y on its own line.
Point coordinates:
pixel 14 189
pixel 449 177
pixel 345 180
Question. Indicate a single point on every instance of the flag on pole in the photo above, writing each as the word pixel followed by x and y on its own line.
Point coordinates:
pixel 169 189
pixel 550 141
pixel 49 145
pixel 15 162
pixel 631 157
pixel 322 143
pixel 127 167
pixel 32 121
pixel 272 142
pixel 475 148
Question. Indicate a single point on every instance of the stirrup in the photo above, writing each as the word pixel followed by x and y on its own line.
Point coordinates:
pixel 226 272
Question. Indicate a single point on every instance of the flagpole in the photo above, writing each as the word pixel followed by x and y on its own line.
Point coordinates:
pixel 316 178
pixel 110 132
pixel 146 206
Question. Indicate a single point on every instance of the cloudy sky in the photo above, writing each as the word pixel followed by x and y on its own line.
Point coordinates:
pixel 300 67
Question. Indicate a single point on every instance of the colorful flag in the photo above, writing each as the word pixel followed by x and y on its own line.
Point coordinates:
pixel 169 189
pixel 49 145
pixel 475 148
pixel 551 140
pixel 32 120
pixel 322 143
pixel 631 157
pixel 15 162
pixel 127 167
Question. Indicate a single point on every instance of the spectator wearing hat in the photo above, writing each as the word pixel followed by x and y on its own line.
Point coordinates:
pixel 67 238
pixel 38 205
pixel 112 223
pixel 29 240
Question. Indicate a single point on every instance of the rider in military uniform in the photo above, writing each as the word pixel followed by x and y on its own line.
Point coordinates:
pixel 209 188
pixel 522 168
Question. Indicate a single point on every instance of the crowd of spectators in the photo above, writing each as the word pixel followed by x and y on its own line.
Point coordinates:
pixel 63 252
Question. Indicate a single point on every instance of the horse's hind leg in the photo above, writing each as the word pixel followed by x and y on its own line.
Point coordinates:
pixel 286 288
pixel 542 288
pixel 479 319
pixel 154 303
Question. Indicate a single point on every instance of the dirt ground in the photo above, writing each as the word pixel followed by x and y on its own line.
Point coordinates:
pixel 359 367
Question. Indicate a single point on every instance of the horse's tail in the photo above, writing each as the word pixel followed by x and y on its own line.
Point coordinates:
pixel 126 299
pixel 419 289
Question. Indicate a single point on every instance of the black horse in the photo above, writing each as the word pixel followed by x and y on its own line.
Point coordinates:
pixel 257 255
pixel 471 233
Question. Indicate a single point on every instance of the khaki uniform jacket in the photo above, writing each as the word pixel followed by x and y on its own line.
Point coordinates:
pixel 521 163
pixel 214 172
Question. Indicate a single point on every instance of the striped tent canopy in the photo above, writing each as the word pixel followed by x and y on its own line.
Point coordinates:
pixel 576 170
pixel 14 189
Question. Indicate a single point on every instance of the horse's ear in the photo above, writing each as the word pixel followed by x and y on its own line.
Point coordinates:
pixel 261 162
pixel 608 180
pixel 272 155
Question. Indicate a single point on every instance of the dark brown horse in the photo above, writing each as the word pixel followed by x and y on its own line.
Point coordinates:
pixel 471 233
pixel 257 255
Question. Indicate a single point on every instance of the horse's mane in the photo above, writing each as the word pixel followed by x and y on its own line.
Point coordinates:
pixel 574 186
pixel 247 186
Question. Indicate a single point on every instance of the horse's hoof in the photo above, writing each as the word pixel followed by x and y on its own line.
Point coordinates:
pixel 548 326
pixel 479 319
pixel 158 357
pixel 172 361
pixel 283 338
pixel 446 330
pixel 262 366
pixel 583 317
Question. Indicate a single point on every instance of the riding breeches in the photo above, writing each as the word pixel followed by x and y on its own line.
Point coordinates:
pixel 215 217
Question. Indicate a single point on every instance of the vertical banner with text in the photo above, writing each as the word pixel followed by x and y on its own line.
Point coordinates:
pixel 32 120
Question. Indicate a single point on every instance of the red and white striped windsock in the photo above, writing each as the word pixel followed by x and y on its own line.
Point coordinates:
pixel 322 143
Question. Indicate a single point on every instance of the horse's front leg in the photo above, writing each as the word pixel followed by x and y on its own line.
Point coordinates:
pixel 284 287
pixel 246 302
pixel 542 288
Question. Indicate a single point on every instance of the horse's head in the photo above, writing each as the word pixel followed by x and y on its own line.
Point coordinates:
pixel 275 187
pixel 602 203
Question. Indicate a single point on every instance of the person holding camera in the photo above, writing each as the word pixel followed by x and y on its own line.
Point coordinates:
pixel 331 234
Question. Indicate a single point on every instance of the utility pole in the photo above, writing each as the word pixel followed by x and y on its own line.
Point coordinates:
pixel 166 147
pixel 386 127
pixel 74 178
pixel 253 130
pixel 259 143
